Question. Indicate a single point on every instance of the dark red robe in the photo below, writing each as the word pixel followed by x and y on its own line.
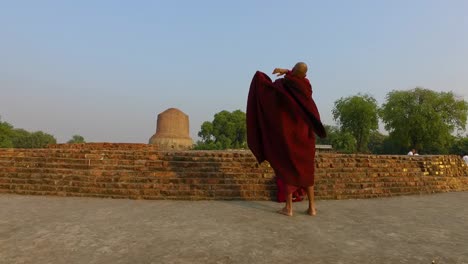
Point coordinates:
pixel 282 120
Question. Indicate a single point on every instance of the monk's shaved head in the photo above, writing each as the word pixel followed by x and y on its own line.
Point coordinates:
pixel 300 69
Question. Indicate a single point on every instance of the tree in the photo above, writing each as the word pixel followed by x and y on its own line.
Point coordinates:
pixel 330 134
pixel 378 143
pixel 38 139
pixel 423 119
pixel 227 131
pixel 21 138
pixel 460 146
pixel 341 141
pixel 11 137
pixel 6 132
pixel 357 115
pixel 76 139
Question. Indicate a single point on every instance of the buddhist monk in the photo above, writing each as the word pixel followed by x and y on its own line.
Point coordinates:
pixel 282 120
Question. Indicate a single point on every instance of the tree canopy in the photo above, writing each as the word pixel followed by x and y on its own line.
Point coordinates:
pixel 11 137
pixel 228 130
pixel 460 146
pixel 358 116
pixel 423 119
pixel 342 141
pixel 76 139
pixel 6 134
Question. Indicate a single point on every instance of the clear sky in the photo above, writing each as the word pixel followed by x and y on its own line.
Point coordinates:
pixel 105 69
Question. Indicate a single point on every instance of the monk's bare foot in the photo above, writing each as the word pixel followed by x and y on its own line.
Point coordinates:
pixel 311 211
pixel 285 211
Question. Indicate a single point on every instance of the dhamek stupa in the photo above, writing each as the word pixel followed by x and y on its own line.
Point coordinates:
pixel 172 131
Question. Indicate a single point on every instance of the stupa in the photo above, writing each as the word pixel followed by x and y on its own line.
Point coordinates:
pixel 172 131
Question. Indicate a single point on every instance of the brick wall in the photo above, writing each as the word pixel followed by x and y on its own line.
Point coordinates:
pixel 139 171
pixel 104 146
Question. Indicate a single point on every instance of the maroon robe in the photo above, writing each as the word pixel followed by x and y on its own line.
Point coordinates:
pixel 282 120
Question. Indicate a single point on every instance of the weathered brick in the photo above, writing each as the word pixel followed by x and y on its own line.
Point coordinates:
pixel 138 172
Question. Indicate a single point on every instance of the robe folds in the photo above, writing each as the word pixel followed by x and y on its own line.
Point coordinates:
pixel 282 120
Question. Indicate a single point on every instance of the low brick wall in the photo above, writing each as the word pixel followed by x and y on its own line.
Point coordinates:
pixel 104 146
pixel 139 172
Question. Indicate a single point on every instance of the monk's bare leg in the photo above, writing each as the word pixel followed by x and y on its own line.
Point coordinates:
pixel 310 194
pixel 287 210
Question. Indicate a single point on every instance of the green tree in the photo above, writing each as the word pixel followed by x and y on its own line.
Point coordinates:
pixel 341 141
pixel 357 115
pixel 38 139
pixel 21 138
pixel 227 131
pixel 76 139
pixel 6 133
pixel 377 143
pixel 423 119
pixel 460 146
pixel 11 137
pixel 331 130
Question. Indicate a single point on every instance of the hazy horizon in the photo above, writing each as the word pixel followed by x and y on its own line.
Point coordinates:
pixel 105 70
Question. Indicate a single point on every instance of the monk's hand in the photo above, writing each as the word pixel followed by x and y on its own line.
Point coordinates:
pixel 279 71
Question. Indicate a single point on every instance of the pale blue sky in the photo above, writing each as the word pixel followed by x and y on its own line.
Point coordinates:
pixel 105 69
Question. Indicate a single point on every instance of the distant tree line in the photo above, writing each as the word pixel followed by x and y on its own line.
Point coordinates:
pixel 432 122
pixel 11 137
pixel 76 139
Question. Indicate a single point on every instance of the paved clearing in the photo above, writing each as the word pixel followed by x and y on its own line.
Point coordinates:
pixel 411 229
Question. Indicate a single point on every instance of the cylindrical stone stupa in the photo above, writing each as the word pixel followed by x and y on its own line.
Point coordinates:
pixel 172 131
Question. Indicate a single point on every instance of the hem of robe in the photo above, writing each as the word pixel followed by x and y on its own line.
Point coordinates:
pixel 284 189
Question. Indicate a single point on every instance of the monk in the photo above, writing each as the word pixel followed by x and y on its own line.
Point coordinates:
pixel 282 120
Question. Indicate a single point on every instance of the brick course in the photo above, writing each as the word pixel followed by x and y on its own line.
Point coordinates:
pixel 140 171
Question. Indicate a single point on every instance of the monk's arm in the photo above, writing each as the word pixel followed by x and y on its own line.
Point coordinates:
pixel 280 71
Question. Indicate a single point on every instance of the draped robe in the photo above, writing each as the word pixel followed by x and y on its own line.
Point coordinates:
pixel 282 120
